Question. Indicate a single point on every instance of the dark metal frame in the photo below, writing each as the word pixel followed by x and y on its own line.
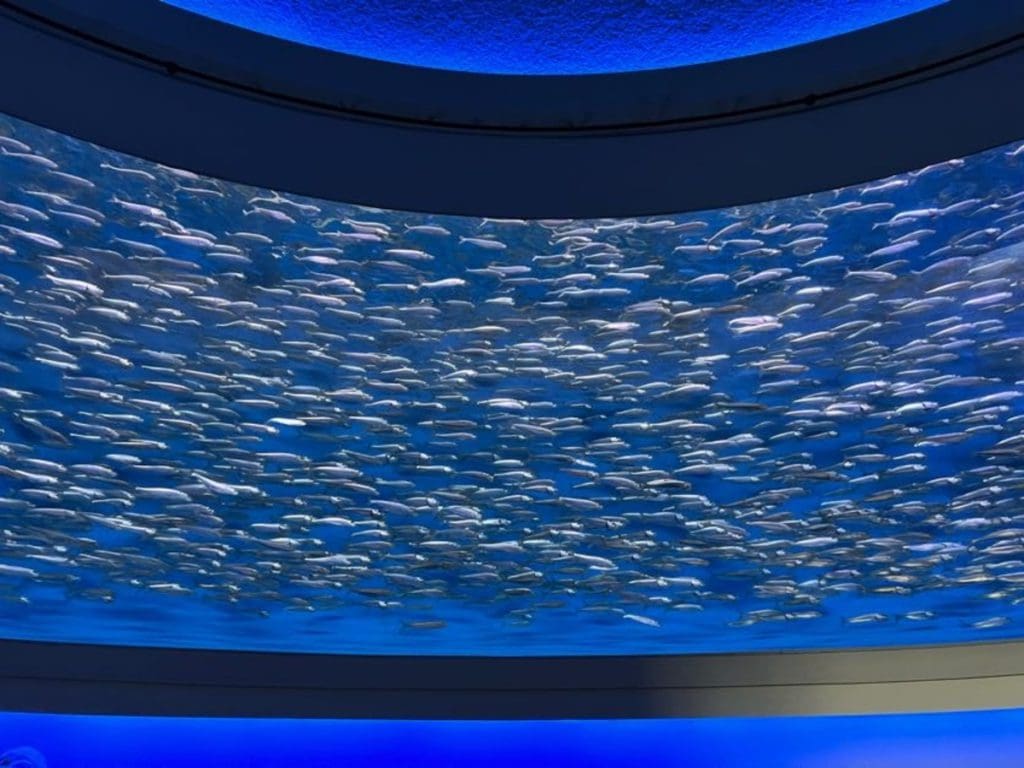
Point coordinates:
pixel 90 679
pixel 160 83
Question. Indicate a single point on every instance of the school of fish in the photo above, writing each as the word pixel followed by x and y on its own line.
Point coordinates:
pixel 232 417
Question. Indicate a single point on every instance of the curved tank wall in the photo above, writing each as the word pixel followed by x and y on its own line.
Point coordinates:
pixel 992 739
pixel 541 37
pixel 235 419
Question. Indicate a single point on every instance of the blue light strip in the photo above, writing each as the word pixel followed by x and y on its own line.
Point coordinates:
pixel 989 739
pixel 542 37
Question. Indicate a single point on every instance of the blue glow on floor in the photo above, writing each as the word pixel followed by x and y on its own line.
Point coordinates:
pixel 976 739
pixel 539 37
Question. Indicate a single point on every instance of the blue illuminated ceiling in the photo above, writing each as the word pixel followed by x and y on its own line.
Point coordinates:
pixel 539 37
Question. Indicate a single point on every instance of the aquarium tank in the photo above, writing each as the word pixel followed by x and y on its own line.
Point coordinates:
pixel 235 418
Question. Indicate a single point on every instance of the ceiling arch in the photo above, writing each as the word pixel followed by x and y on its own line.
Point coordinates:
pixel 544 37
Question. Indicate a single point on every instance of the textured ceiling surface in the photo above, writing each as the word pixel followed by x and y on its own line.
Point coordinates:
pixel 553 36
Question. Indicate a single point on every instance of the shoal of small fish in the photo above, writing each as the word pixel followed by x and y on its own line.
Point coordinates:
pixel 243 419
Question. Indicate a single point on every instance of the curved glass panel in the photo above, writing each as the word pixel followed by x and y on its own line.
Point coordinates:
pixel 542 37
pixel 992 739
pixel 238 419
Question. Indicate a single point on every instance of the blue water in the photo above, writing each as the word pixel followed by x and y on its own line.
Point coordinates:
pixel 231 419
pixel 543 37
pixel 990 739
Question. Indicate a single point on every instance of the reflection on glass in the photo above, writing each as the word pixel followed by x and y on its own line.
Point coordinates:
pixel 22 757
